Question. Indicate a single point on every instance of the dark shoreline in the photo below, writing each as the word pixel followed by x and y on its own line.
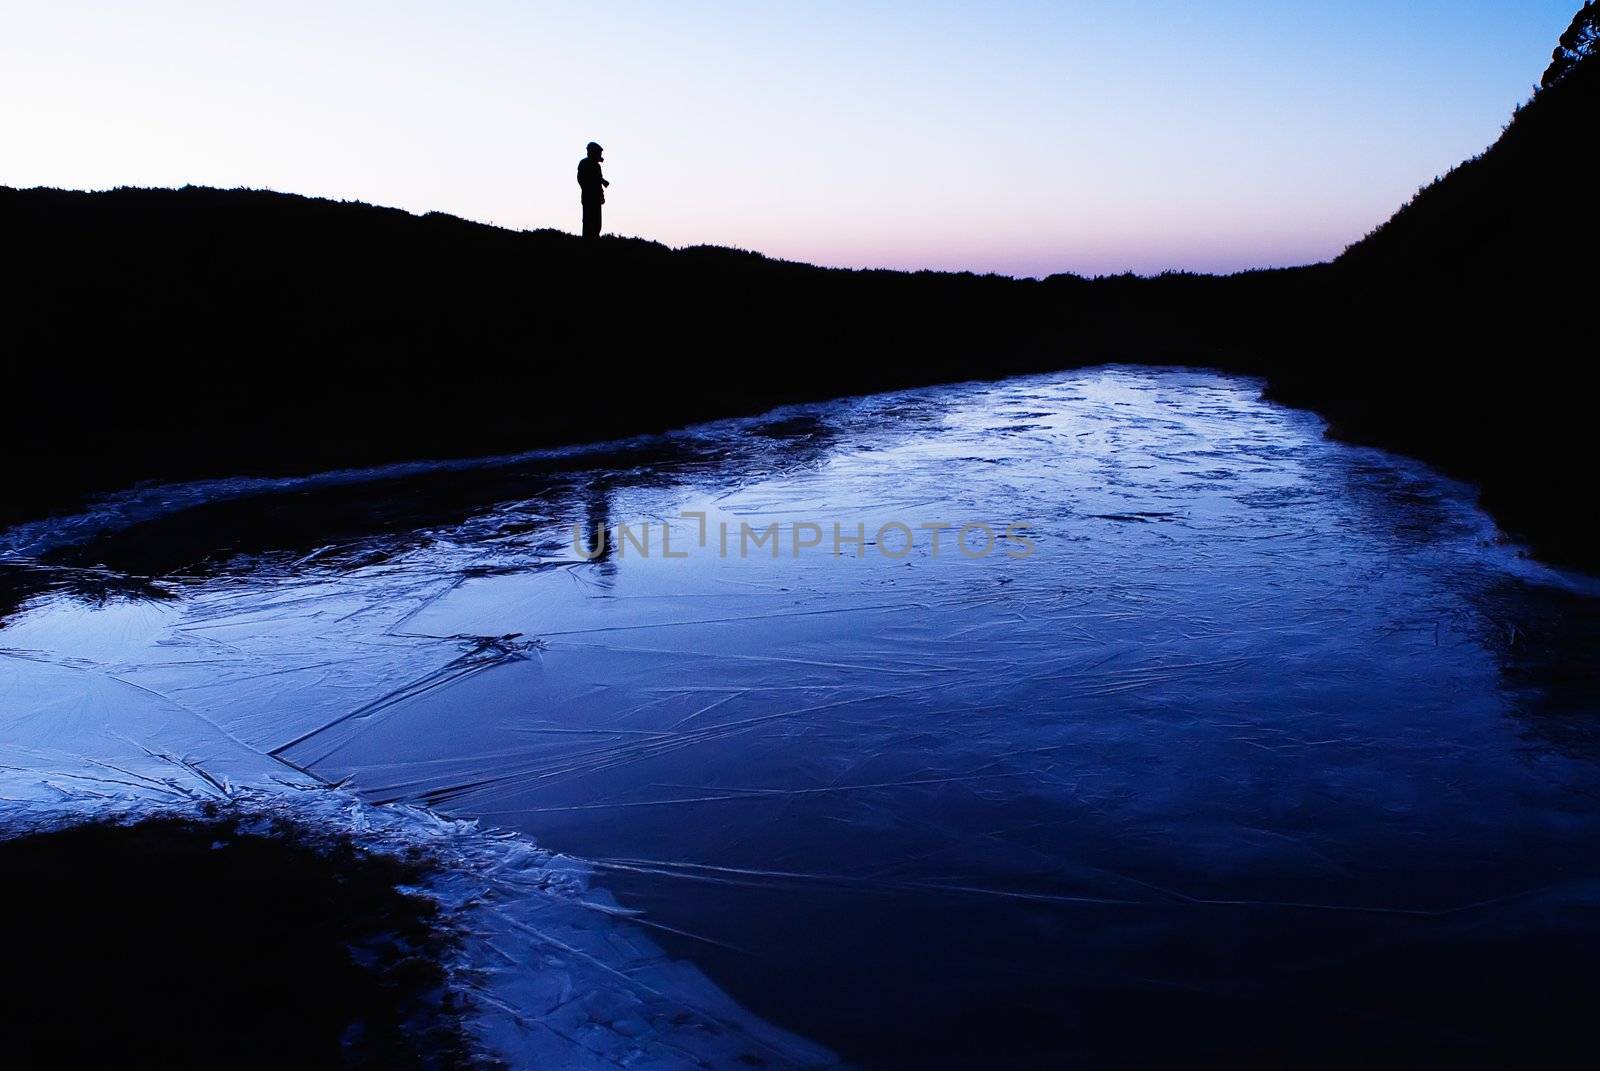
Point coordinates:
pixel 125 944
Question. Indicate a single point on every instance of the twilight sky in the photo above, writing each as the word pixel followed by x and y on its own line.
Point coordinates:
pixel 1021 137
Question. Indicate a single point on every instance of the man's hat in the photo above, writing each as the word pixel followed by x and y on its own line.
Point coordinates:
pixel 594 146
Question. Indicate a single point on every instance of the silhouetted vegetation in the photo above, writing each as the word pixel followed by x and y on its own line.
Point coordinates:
pixel 1581 41
pixel 193 332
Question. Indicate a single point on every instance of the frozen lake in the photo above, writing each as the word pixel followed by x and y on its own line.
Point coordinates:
pixel 1246 732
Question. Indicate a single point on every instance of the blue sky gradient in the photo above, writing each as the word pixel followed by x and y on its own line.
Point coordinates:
pixel 1021 137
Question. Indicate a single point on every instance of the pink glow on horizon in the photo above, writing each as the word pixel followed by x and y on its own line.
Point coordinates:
pixel 1015 136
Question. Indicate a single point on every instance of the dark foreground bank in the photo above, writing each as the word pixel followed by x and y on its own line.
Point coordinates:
pixel 173 334
pixel 180 943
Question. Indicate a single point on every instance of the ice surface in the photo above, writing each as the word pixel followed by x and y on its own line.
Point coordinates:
pixel 556 976
pixel 1254 692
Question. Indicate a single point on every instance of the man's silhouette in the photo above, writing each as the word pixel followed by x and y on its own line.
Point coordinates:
pixel 594 190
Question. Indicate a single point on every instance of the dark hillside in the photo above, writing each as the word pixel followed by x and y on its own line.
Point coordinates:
pixel 1462 329
pixel 175 333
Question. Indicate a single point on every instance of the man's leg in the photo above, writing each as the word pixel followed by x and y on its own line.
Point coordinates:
pixel 591 221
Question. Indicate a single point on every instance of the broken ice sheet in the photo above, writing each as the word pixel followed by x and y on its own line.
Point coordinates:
pixel 1255 702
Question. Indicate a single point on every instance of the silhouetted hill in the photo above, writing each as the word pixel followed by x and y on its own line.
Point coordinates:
pixel 1462 328
pixel 1516 204
pixel 193 332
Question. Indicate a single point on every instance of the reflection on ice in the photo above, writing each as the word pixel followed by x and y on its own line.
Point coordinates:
pixel 1268 726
